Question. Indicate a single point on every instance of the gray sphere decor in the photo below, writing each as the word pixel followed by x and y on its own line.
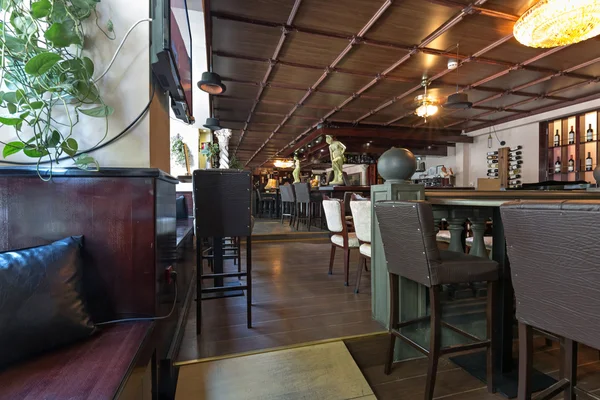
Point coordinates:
pixel 597 175
pixel 397 165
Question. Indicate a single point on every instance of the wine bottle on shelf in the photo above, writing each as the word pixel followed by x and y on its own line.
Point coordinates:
pixel 492 153
pixel 557 166
pixel 514 167
pixel 513 177
pixel 571 165
pixel 514 182
pixel 514 186
pixel 492 174
pixel 556 139
pixel 571 136
pixel 515 153
pixel 588 162
pixel 514 158
pixel 492 170
pixel 516 148
pixel 492 157
pixel 589 135
pixel 515 162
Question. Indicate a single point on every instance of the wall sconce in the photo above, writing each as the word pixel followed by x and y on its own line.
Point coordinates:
pixel 490 141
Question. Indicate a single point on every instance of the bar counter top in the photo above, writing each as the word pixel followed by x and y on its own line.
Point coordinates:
pixel 496 198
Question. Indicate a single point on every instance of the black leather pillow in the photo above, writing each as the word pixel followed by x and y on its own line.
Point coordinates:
pixel 181 207
pixel 41 301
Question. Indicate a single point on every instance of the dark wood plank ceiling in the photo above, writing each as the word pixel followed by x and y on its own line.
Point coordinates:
pixel 290 65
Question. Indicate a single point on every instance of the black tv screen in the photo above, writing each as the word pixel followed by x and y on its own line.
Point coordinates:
pixel 172 54
pixel 181 47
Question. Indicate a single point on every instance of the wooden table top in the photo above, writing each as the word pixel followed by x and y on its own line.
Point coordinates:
pixel 495 198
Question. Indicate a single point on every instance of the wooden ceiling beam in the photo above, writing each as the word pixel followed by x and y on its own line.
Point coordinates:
pixel 284 33
pixel 294 87
pixel 476 9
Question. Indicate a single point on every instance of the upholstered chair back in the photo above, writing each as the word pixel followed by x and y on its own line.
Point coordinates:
pixel 554 253
pixel 361 215
pixel 334 215
pixel 408 237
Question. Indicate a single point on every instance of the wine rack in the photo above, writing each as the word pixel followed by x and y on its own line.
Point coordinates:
pixel 572 148
pixel 505 164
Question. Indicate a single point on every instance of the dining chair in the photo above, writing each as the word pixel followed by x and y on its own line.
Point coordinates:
pixel 334 214
pixel 410 248
pixel 361 213
pixel 556 283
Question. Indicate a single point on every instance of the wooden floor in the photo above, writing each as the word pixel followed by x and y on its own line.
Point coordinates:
pixel 266 226
pixel 295 301
pixel 407 380
pixel 322 371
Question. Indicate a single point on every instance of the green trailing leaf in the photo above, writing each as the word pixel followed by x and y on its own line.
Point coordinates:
pixel 42 63
pixel 87 163
pixel 35 152
pixel 36 105
pixel 86 92
pixel 11 108
pixel 98 112
pixel 12 148
pixel 23 24
pixel 53 140
pixel 70 146
pixel 61 35
pixel 10 121
pixel 89 66
pixel 41 9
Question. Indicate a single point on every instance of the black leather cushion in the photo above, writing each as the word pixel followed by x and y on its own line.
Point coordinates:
pixel 41 302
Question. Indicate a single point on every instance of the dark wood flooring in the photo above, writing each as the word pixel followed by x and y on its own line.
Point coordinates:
pixel 407 380
pixel 295 301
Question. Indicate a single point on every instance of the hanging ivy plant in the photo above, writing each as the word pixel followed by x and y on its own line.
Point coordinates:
pixel 178 150
pixel 48 83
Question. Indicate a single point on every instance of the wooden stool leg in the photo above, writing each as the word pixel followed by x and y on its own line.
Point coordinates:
pixel 525 361
pixel 435 341
pixel 331 259
pixel 570 367
pixel 361 260
pixel 394 299
pixel 491 308
pixel 249 281
pixel 346 265
pixel 310 214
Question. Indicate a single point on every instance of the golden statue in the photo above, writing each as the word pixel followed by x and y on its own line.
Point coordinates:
pixel 296 172
pixel 336 152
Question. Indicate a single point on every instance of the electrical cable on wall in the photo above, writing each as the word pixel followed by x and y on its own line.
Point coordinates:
pixel 117 321
pixel 100 146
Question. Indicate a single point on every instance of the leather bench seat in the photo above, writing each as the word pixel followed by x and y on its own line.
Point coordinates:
pixel 96 368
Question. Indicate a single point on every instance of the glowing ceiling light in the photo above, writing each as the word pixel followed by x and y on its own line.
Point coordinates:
pixel 426 109
pixel 283 163
pixel 553 23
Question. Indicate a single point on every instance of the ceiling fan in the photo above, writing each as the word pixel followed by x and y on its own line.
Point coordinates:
pixel 425 104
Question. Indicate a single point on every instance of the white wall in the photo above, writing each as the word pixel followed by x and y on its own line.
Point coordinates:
pixel 125 87
pixel 200 98
pixel 470 159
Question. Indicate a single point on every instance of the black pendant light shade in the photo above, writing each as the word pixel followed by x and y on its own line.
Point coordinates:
pixel 211 83
pixel 458 101
pixel 212 124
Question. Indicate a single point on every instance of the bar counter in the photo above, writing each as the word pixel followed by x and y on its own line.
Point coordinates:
pixel 457 206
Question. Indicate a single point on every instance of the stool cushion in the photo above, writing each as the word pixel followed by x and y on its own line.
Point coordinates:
pixel 443 236
pixel 352 240
pixel 365 249
pixel 486 239
pixel 458 267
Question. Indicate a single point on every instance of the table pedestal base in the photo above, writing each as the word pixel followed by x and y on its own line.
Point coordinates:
pixel 506 384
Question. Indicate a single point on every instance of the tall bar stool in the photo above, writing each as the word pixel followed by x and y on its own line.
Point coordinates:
pixel 303 214
pixel 334 214
pixel 288 202
pixel 266 204
pixel 553 255
pixel 361 213
pixel 408 236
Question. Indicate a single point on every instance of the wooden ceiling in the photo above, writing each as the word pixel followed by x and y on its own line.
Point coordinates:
pixel 292 65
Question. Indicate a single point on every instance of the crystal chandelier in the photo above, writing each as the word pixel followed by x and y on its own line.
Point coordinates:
pixel 283 163
pixel 553 23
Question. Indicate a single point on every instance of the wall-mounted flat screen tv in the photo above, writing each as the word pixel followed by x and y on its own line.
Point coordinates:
pixel 172 54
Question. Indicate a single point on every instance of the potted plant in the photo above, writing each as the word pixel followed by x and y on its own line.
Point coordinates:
pixel 180 153
pixel 50 84
pixel 211 151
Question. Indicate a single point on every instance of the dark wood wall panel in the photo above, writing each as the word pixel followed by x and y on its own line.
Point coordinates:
pixel 116 215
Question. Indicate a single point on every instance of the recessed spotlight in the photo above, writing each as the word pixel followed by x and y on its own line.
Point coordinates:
pixel 322 150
